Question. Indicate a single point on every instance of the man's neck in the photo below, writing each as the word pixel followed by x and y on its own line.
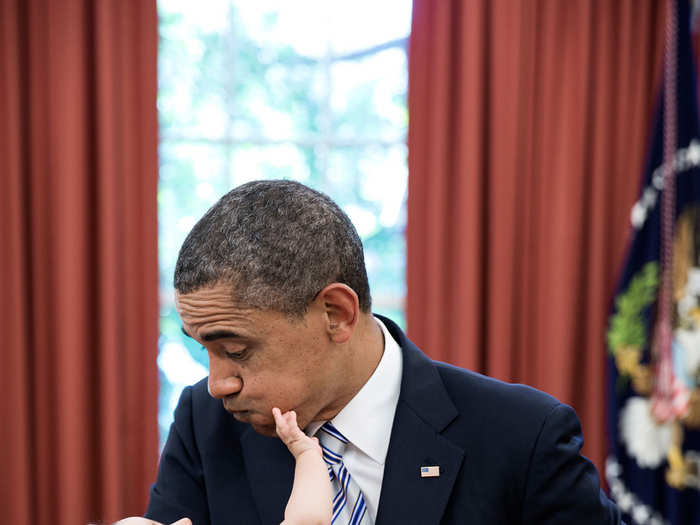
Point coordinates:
pixel 370 346
pixel 364 354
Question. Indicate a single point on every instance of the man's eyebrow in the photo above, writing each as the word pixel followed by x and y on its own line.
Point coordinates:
pixel 213 336
pixel 220 334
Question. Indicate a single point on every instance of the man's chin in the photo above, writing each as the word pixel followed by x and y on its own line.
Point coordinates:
pixel 265 430
pixel 261 425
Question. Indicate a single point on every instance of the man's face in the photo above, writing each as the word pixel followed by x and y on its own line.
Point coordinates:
pixel 261 359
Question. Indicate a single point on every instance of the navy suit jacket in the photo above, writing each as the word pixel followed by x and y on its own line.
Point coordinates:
pixel 507 454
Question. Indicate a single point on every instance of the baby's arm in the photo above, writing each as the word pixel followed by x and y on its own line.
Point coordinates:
pixel 310 501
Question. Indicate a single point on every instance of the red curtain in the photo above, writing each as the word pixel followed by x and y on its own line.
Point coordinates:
pixel 528 129
pixel 78 272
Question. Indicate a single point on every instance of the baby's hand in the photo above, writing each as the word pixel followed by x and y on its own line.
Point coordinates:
pixel 291 435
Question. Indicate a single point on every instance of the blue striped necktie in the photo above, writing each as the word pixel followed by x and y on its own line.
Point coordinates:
pixel 348 502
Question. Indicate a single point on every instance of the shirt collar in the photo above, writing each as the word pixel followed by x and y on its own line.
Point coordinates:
pixel 367 419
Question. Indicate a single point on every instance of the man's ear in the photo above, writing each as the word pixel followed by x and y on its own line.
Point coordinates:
pixel 342 310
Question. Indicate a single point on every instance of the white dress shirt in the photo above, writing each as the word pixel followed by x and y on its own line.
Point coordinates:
pixel 366 422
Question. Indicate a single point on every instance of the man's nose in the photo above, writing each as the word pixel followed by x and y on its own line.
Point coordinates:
pixel 224 378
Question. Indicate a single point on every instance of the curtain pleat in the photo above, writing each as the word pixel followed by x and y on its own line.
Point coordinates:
pixel 79 266
pixel 528 128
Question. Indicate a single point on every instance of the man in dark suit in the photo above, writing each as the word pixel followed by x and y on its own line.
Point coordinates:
pixel 271 281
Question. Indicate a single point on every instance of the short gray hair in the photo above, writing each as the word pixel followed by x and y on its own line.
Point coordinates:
pixel 278 243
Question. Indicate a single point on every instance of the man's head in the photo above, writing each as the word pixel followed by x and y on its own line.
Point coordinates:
pixel 272 282
pixel 277 244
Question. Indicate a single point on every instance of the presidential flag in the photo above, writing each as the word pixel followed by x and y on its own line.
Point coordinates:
pixel 653 470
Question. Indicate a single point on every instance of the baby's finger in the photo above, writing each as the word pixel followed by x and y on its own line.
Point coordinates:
pixel 292 418
pixel 279 418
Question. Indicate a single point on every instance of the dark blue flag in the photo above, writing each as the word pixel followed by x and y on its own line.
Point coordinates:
pixel 653 469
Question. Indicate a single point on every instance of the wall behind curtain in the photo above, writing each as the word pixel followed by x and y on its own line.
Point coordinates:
pixel 78 271
pixel 528 128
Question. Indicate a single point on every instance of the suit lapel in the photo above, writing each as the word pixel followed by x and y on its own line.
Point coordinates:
pixel 424 410
pixel 407 497
pixel 270 470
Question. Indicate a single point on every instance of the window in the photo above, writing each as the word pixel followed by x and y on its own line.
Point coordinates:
pixel 313 91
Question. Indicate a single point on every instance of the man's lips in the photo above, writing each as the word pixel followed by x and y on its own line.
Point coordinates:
pixel 239 413
pixel 231 408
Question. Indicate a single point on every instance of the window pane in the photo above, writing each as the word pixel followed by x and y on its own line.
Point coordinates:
pixel 276 161
pixel 190 71
pixel 368 97
pixel 311 90
pixel 362 24
pixel 314 27
pixel 282 101
pixel 370 184
pixel 192 177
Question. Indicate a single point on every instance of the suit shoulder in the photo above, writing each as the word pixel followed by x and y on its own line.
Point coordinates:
pixel 200 393
pixel 193 399
pixel 493 391
pixel 474 394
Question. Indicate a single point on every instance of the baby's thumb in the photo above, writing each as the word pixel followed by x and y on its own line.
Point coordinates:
pixel 183 521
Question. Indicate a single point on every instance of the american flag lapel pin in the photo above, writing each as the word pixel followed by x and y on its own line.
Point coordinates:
pixel 430 471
